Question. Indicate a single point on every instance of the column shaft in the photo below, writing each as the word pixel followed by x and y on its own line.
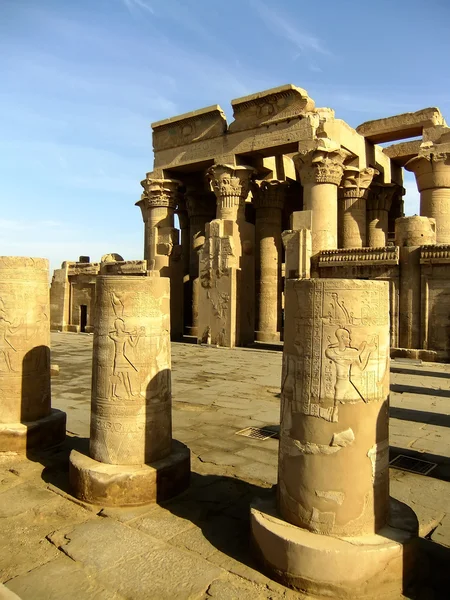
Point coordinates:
pixel 333 462
pixel 321 199
pixel 131 378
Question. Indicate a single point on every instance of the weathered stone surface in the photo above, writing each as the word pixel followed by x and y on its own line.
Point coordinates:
pixel 130 485
pixel 25 412
pixel 372 566
pixel 335 385
pixel 401 126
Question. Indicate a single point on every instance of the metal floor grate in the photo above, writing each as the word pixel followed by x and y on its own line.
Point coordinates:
pixel 414 465
pixel 257 433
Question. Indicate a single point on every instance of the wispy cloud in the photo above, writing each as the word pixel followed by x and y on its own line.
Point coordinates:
pixel 135 6
pixel 286 28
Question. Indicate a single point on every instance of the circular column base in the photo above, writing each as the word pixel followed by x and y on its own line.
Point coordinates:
pixel 130 485
pixel 33 435
pixel 268 337
pixel 367 567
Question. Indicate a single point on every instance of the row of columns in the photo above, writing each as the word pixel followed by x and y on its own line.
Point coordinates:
pixel 349 210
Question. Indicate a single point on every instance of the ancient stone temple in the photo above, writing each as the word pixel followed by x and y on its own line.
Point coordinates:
pixel 334 531
pixel 132 458
pixel 236 186
pixel 26 418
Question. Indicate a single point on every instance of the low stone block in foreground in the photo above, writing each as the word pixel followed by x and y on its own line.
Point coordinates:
pixel 133 459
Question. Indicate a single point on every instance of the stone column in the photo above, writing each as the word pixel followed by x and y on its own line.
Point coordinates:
pixel 201 206
pixel 268 198
pixel 333 472
pixel 410 234
pixel 378 206
pixel 321 171
pixel 132 458
pixel 352 210
pixel 227 262
pixel 26 417
pixel 162 248
pixel 432 171
pixel 183 220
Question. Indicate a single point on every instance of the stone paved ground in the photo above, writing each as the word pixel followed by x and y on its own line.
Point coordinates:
pixel 197 545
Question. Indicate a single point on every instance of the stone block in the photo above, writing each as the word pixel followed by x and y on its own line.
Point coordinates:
pixel 402 126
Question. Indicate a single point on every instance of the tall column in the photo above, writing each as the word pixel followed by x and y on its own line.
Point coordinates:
pixel 268 198
pixel 183 220
pixel 352 206
pixel 328 533
pixel 132 459
pixel 379 204
pixel 410 234
pixel 227 263
pixel 26 417
pixel 201 206
pixel 432 171
pixel 321 171
pixel 162 248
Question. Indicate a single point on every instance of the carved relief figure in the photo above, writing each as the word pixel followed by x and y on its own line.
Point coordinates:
pixel 345 357
pixel 7 329
pixel 122 364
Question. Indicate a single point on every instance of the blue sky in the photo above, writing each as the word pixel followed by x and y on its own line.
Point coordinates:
pixel 81 81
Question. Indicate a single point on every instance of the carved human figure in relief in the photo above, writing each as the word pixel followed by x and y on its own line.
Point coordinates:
pixel 7 329
pixel 122 364
pixel 345 356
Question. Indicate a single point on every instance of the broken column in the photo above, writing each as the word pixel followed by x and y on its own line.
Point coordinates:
pixel 321 169
pixel 410 234
pixel 227 263
pixel 352 206
pixel 26 418
pixel 432 170
pixel 268 198
pixel 133 459
pixel 162 249
pixel 329 533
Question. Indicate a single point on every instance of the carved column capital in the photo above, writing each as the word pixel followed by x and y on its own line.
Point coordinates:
pixel 269 193
pixel 323 164
pixel 160 193
pixel 231 185
pixel 200 203
pixel 431 167
pixel 381 196
pixel 355 182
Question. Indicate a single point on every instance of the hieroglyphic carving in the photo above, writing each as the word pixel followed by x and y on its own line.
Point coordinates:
pixel 131 391
pixel 334 405
pixel 24 339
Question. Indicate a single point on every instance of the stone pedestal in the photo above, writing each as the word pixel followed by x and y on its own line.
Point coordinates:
pixel 162 248
pixel 352 207
pixel 410 234
pixel 330 534
pixel 432 171
pixel 268 198
pixel 131 448
pixel 26 418
pixel 378 206
pixel 227 263
pixel 321 170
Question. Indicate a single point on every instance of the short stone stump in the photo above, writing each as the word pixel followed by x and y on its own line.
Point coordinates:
pixel 366 567
pixel 130 485
pixel 33 435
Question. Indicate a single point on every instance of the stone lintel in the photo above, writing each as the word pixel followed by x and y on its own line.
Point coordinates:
pixel 270 106
pixel 124 267
pixel 77 268
pixel 402 126
pixel 202 124
pixel 403 151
